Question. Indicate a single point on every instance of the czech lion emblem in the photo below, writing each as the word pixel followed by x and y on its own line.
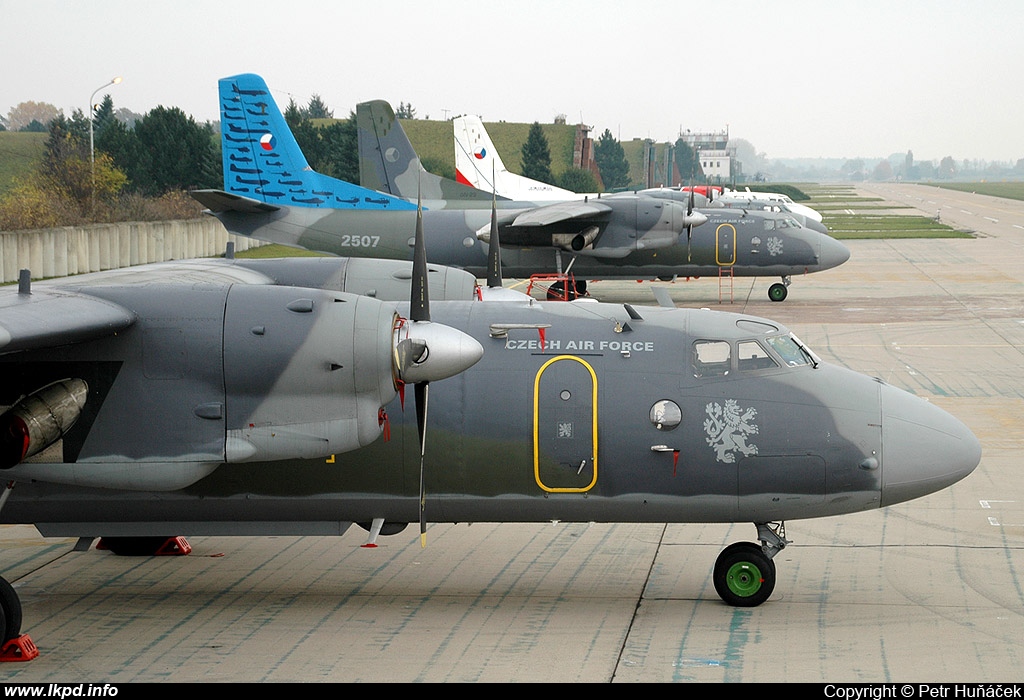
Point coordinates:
pixel 728 428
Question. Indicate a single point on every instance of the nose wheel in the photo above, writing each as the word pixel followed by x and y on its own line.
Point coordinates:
pixel 744 577
pixel 779 291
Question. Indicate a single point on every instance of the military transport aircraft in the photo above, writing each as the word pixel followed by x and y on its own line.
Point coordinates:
pixel 740 196
pixel 222 397
pixel 381 133
pixel 475 156
pixel 272 194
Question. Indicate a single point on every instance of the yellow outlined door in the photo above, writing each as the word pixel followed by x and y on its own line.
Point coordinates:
pixel 725 245
pixel 565 425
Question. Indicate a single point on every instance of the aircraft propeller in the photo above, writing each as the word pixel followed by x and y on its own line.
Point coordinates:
pixel 494 279
pixel 428 351
pixel 693 218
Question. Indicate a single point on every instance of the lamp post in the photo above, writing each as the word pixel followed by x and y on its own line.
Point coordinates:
pixel 92 150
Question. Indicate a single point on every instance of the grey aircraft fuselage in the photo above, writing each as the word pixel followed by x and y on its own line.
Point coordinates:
pixel 751 243
pixel 206 415
pixel 272 193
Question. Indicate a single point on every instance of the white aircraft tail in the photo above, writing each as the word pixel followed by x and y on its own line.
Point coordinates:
pixel 476 158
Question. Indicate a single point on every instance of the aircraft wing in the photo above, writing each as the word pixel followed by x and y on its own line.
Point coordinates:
pixel 219 201
pixel 561 212
pixel 40 319
pixel 572 225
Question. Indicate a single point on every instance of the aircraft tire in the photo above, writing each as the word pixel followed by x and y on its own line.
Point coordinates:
pixel 744 577
pixel 557 292
pixel 10 611
pixel 134 546
pixel 778 292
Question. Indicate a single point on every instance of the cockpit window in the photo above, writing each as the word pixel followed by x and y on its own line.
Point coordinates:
pixel 790 350
pixel 750 355
pixel 711 358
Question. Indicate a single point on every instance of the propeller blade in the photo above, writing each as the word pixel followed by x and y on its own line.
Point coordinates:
pixel 494 252
pixel 419 309
pixel 421 424
pixel 689 213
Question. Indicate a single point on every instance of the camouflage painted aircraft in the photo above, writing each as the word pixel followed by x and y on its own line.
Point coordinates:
pixel 475 154
pixel 271 193
pixel 222 397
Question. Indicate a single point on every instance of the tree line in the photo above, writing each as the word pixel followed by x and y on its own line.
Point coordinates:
pixel 115 172
pixel 143 170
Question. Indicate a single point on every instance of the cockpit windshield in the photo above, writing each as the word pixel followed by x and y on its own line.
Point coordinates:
pixel 793 352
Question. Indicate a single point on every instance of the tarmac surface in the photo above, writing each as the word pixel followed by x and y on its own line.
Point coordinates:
pixel 926 591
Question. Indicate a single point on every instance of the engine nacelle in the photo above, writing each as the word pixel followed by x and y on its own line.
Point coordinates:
pixel 306 372
pixel 40 419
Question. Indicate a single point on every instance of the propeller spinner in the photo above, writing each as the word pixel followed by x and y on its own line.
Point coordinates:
pixel 427 351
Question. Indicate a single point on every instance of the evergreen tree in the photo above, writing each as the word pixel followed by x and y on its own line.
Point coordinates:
pixel 687 163
pixel 317 109
pixel 103 115
pixel 119 142
pixel 536 156
pixel 405 111
pixel 611 161
pixel 68 176
pixel 174 153
pixel 292 114
pixel 578 180
pixel 341 150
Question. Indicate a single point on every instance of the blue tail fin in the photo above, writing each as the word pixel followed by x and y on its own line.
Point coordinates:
pixel 263 161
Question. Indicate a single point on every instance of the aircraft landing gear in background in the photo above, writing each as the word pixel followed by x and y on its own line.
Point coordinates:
pixel 576 290
pixel 780 290
pixel 744 573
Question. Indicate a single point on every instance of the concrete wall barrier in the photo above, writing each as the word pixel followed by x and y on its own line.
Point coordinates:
pixel 70 250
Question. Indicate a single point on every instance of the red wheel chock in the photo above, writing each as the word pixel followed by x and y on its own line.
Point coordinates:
pixel 19 649
pixel 174 547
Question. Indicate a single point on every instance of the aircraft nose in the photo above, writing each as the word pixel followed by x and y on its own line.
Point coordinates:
pixel 924 449
pixel 832 254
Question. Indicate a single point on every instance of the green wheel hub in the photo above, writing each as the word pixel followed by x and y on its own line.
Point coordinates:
pixel 744 579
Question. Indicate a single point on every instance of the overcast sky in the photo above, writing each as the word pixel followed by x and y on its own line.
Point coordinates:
pixel 795 78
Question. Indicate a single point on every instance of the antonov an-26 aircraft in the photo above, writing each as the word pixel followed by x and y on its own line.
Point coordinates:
pixel 271 193
pixel 223 397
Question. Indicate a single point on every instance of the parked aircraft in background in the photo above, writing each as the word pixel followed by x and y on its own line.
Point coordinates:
pixel 388 163
pixel 476 154
pixel 478 164
pixel 278 198
pixel 714 200
pixel 738 197
pixel 221 397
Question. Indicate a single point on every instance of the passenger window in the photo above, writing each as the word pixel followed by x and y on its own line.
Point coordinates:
pixel 750 355
pixel 711 358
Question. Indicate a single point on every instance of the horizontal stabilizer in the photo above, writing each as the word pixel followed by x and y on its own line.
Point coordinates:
pixel 219 201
